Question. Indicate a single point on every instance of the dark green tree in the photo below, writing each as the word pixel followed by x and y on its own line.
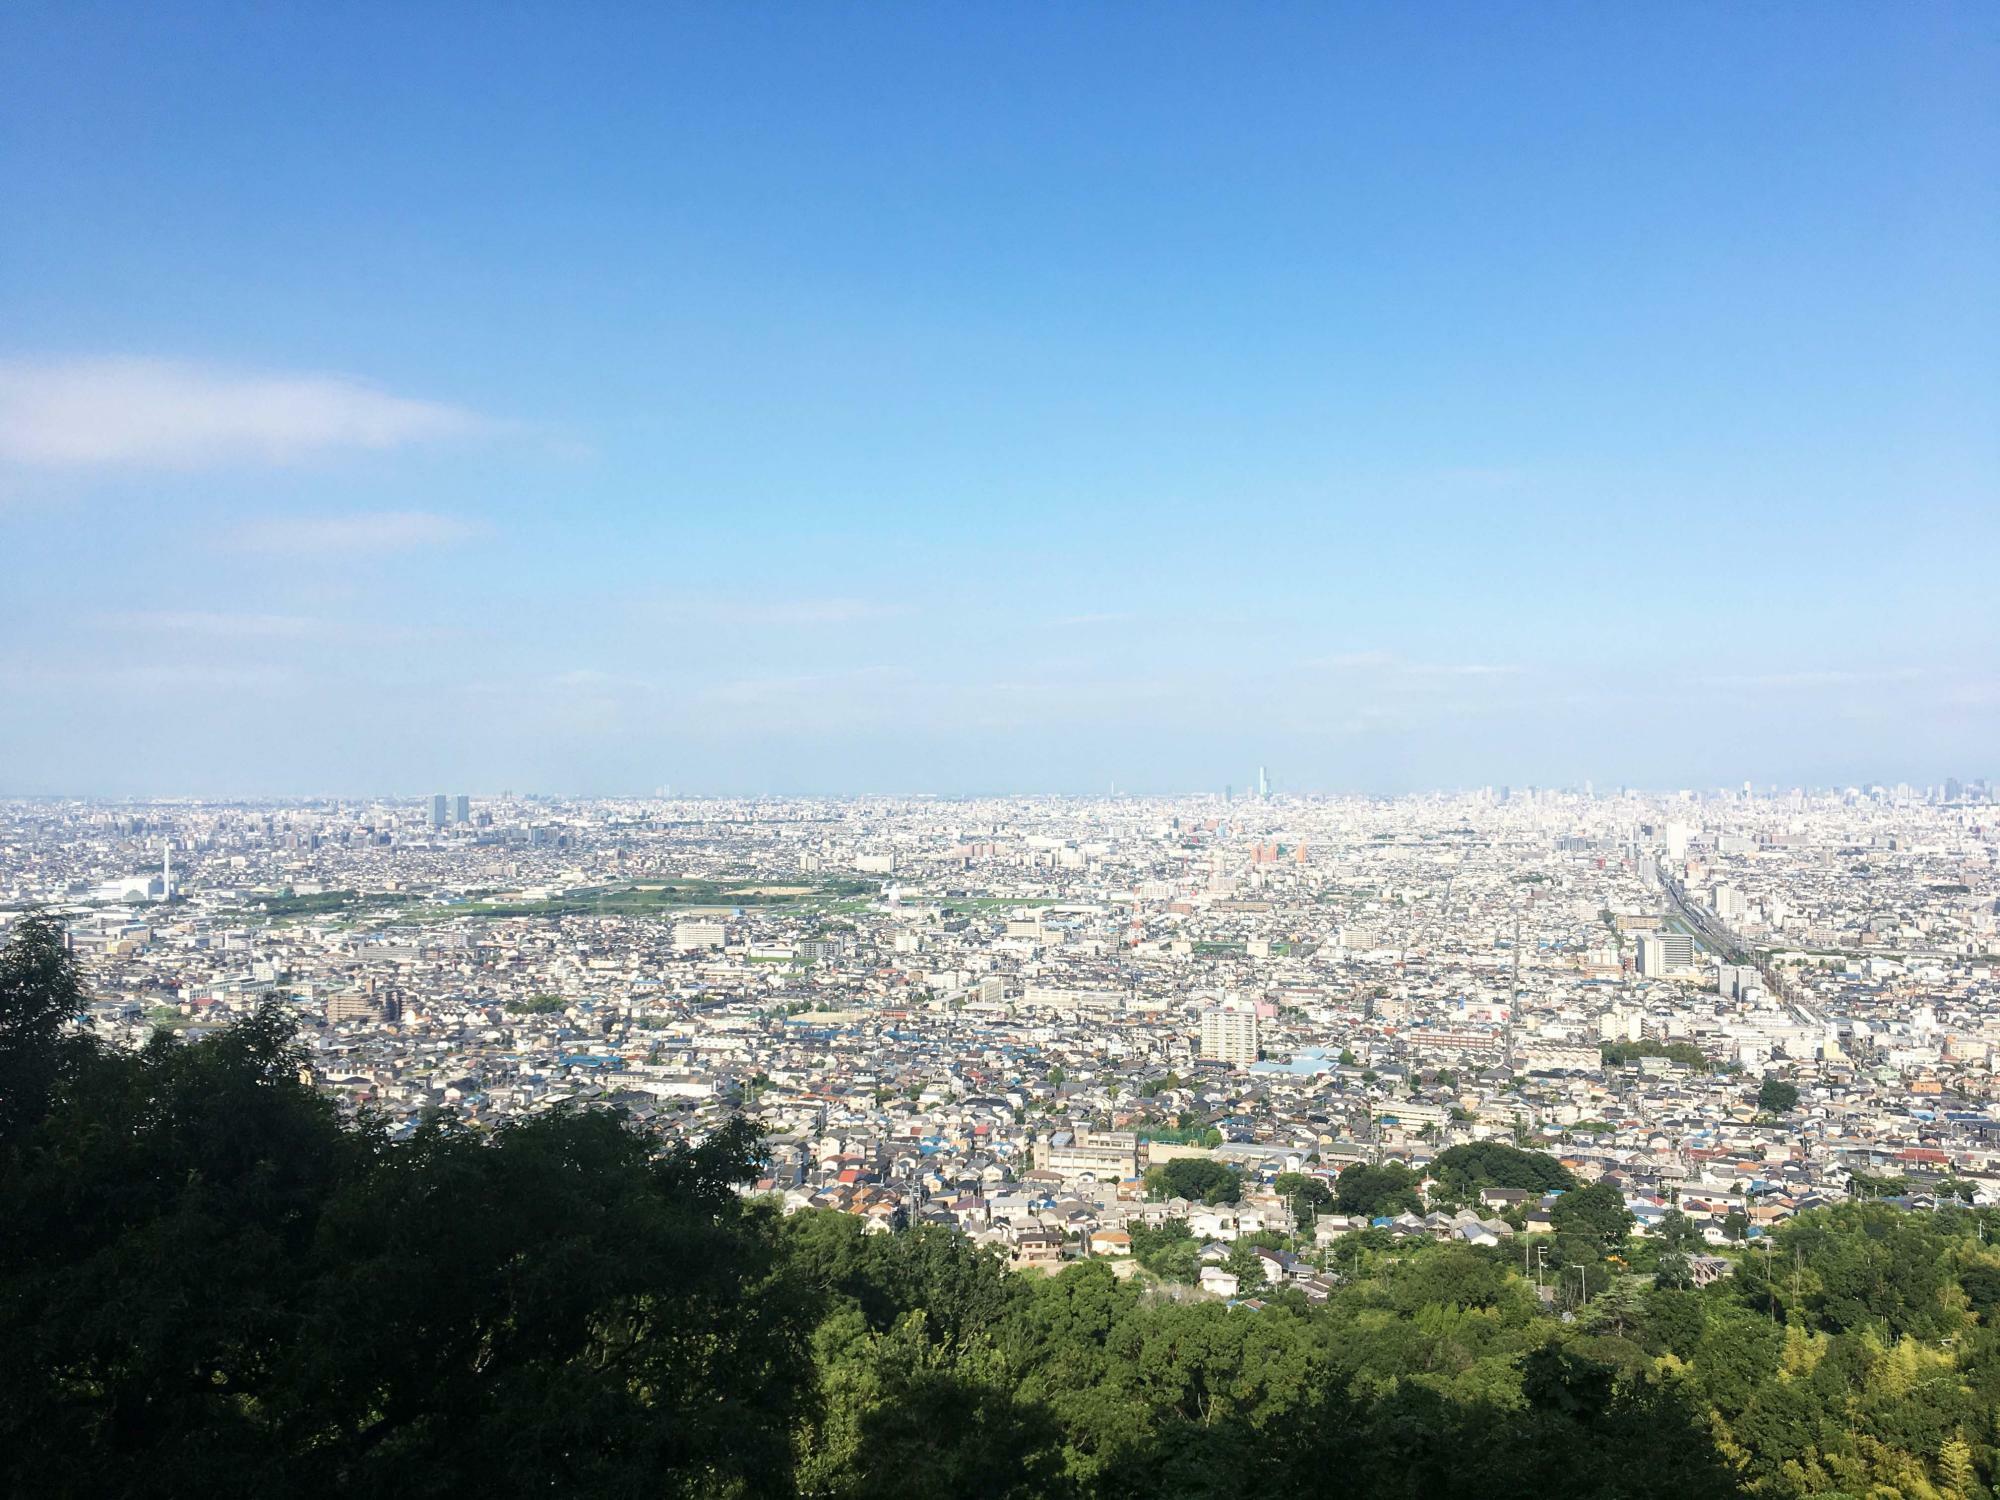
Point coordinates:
pixel 1308 1196
pixel 1596 1213
pixel 1378 1192
pixel 1462 1171
pixel 1676 1239
pixel 1674 1321
pixel 209 1283
pixel 1168 1251
pixel 1777 1097
pixel 1195 1178
pixel 40 994
pixel 1248 1268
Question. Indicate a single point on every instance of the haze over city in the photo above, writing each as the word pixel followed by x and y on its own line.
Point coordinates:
pixel 759 402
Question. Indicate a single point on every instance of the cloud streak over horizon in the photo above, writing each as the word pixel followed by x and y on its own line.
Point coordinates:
pixel 131 412
pixel 365 532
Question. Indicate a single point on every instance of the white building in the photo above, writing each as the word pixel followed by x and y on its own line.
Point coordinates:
pixel 1664 953
pixel 699 935
pixel 1229 1036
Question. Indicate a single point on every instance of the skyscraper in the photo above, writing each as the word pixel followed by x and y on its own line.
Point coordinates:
pixel 437 811
pixel 463 812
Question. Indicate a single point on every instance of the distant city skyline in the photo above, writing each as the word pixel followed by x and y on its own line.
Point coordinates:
pixel 831 402
pixel 1951 790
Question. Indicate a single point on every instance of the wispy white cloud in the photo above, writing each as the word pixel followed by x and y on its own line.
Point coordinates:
pixel 1372 718
pixel 1389 664
pixel 587 677
pixel 560 697
pixel 362 532
pixel 1982 693
pixel 1824 677
pixel 190 676
pixel 213 625
pixel 201 676
pixel 1465 669
pixel 814 688
pixel 1352 661
pixel 780 612
pixel 128 412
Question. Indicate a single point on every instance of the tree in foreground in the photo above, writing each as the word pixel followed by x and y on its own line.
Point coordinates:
pixel 210 1284
pixel 39 995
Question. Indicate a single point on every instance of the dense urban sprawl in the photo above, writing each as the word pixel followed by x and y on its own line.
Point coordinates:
pixel 1012 1016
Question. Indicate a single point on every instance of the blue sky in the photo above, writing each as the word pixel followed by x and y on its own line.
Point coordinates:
pixel 765 399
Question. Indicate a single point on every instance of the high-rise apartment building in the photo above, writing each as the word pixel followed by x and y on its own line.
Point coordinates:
pixel 437 811
pixel 349 1007
pixel 1229 1036
pixel 1621 1026
pixel 463 812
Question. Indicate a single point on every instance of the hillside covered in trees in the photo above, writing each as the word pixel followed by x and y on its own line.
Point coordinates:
pixel 211 1284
